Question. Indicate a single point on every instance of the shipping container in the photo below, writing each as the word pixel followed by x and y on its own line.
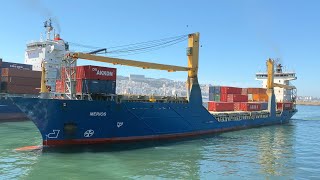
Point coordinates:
pixel 237 106
pixel 220 106
pixel 19 89
pixel 20 73
pixel 96 73
pixel 217 98
pixel 214 97
pixel 230 90
pixel 253 90
pixel 284 105
pixel 16 66
pixel 214 89
pixel 260 97
pixel 223 97
pixel 244 91
pixel 264 105
pixel 211 96
pixel 250 97
pixel 262 91
pixel 250 106
pixel 95 86
pixel 237 98
pixel 36 82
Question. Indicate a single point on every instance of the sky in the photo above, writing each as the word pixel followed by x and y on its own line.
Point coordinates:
pixel 236 36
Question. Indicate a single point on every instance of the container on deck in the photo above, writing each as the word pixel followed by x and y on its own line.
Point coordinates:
pixel 223 97
pixel 284 105
pixel 260 97
pixel 244 91
pixel 237 98
pixel 264 105
pixel 253 90
pixel 95 86
pixel 237 106
pixel 249 106
pixel 19 89
pixel 220 106
pixel 16 65
pixel 36 82
pixel 20 73
pixel 230 90
pixel 262 91
pixel 96 73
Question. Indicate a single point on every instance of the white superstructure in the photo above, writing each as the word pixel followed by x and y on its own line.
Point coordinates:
pixel 49 52
pixel 280 77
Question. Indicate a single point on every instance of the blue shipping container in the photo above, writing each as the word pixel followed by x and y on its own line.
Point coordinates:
pixel 214 89
pixel 16 65
pixel 98 86
pixel 264 106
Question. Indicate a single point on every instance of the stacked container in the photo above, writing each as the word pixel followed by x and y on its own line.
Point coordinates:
pixel 236 99
pixel 214 93
pixel 91 79
pixel 284 105
pixel 220 106
pixel 20 81
pixel 257 95
pixel 233 94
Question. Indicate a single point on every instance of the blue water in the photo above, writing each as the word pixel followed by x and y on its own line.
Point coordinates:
pixel 289 151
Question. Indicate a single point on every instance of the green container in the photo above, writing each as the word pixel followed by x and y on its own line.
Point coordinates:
pixel 217 97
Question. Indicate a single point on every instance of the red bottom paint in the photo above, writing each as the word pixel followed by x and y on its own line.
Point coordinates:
pixel 55 143
pixel 29 148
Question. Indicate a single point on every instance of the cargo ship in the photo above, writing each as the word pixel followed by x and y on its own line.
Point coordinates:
pixel 76 116
pixel 23 80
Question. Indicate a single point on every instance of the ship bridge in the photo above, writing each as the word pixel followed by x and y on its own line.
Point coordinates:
pixel 283 78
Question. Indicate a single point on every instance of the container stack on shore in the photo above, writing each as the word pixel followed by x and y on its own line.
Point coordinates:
pixel 19 78
pixel 91 80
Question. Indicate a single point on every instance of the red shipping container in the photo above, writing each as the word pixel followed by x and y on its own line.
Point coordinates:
pixel 244 91
pixel 20 73
pixel 262 91
pixel 230 90
pixel 245 106
pixel 237 106
pixel 21 81
pixel 16 89
pixel 253 90
pixel 96 73
pixel 285 106
pixel 220 106
pixel 237 98
pixel 223 97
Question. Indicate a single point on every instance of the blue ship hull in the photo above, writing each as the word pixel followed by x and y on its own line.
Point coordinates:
pixel 10 112
pixel 70 122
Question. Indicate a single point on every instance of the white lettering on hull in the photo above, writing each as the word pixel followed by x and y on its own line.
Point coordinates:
pixel 98 114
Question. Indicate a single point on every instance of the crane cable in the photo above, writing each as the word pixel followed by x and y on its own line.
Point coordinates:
pixel 138 48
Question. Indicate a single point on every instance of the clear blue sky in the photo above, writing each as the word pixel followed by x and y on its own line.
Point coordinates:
pixel 237 36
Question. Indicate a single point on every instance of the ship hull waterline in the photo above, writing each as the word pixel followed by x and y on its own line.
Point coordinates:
pixel 78 122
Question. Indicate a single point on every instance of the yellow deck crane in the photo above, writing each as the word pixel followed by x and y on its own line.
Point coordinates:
pixel 192 53
pixel 271 85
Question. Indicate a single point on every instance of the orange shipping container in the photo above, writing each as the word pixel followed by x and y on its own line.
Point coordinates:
pixel 260 97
